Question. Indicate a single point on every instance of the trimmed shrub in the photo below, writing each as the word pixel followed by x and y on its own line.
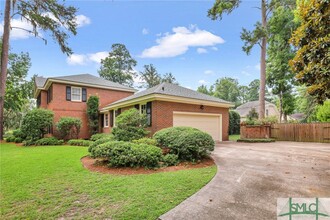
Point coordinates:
pixel 93 114
pixel 10 138
pixel 18 140
pixel 167 136
pixel 234 122
pixel 80 142
pixel 130 125
pixel 68 127
pixel 36 122
pixel 101 141
pixel 49 141
pixel 149 141
pixel 95 137
pixel 188 143
pixel 19 134
pixel 170 159
pixel 265 140
pixel 127 154
pixel 29 142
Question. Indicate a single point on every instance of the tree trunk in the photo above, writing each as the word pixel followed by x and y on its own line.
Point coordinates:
pixel 263 64
pixel 281 106
pixel 4 63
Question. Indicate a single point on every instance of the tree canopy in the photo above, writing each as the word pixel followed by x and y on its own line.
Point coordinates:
pixel 311 63
pixel 118 66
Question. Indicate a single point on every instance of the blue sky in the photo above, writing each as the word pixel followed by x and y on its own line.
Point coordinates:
pixel 175 36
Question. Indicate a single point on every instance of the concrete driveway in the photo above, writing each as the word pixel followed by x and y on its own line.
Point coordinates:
pixel 251 177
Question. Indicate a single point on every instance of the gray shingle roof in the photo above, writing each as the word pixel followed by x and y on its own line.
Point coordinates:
pixel 172 90
pixel 91 80
pixel 244 109
pixel 40 81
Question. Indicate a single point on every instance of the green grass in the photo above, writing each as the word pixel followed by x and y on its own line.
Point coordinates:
pixel 234 137
pixel 50 183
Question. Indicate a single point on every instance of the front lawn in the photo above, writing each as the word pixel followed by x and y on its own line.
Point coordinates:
pixel 50 182
pixel 234 137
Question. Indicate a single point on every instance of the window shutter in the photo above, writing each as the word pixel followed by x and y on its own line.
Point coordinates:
pixel 84 94
pixel 149 113
pixel 102 120
pixel 111 118
pixel 137 106
pixel 68 93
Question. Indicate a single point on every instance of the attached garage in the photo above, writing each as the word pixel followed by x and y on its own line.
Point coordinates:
pixel 209 123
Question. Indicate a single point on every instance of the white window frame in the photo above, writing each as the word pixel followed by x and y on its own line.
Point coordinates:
pixel 106 122
pixel 145 108
pixel 80 100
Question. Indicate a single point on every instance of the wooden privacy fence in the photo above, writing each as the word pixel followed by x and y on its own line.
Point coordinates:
pixel 305 132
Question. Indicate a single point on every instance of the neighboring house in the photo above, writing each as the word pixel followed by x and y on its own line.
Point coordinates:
pixel 66 96
pixel 297 117
pixel 168 105
pixel 270 109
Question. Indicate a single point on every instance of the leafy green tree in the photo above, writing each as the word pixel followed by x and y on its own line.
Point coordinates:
pixel 243 94
pixel 118 66
pixel 234 122
pixel 253 90
pixel 203 89
pixel 323 112
pixel 307 104
pixel 50 15
pixel 227 88
pixel 169 78
pixel 150 76
pixel 93 114
pixel 312 38
pixel 279 75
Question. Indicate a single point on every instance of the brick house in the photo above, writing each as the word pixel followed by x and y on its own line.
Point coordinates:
pixel 165 105
pixel 168 105
pixel 66 96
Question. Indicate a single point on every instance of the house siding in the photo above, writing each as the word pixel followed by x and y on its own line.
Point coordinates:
pixel 63 108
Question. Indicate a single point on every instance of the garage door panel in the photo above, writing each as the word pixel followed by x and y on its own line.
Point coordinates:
pixel 205 122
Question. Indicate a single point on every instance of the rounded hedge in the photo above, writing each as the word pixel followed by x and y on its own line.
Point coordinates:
pixel 127 154
pixel 188 143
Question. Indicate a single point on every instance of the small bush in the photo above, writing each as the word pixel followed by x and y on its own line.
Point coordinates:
pixel 10 138
pixel 101 141
pixel 69 127
pixel 265 140
pixel 188 143
pixel 29 142
pixel 234 122
pixel 130 125
pixel 49 141
pixel 167 136
pixel 170 159
pixel 18 140
pixel 149 141
pixel 100 136
pixel 80 142
pixel 36 122
pixel 127 154
pixel 19 134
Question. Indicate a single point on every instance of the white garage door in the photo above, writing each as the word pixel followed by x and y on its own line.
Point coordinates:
pixel 210 123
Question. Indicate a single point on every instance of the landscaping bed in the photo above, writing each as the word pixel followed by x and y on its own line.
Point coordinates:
pixel 98 166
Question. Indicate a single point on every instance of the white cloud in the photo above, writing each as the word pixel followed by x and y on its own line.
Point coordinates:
pixel 145 31
pixel 77 59
pixel 201 50
pixel 84 59
pixel 202 81
pixel 214 48
pixel 209 72
pixel 82 20
pixel 178 42
pixel 246 73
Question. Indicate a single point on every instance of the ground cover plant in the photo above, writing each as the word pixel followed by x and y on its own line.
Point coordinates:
pixel 62 188
pixel 80 142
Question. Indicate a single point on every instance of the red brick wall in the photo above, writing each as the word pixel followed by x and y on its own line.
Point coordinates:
pixel 162 115
pixel 64 108
pixel 43 95
pixel 255 131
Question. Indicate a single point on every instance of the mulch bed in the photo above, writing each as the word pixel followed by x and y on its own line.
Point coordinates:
pixel 95 165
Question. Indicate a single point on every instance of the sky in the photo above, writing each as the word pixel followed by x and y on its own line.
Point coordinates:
pixel 174 36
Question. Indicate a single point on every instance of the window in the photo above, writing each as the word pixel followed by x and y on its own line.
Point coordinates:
pixel 76 94
pixel 39 101
pixel 143 109
pixel 106 120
